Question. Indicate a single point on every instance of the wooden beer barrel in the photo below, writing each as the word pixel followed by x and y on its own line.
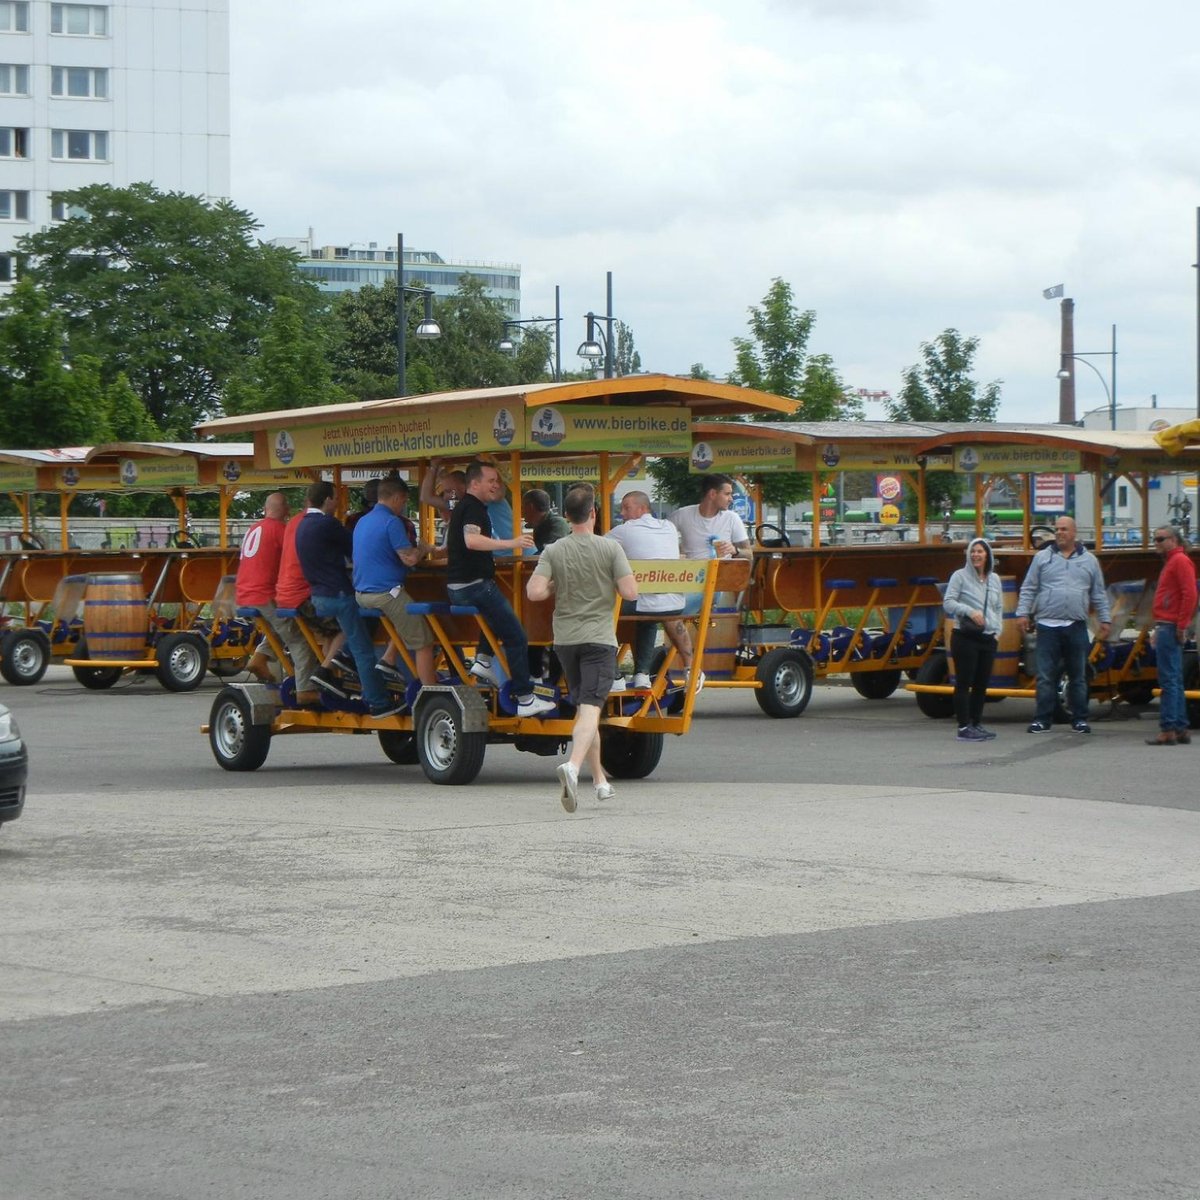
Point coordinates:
pixel 1008 645
pixel 114 616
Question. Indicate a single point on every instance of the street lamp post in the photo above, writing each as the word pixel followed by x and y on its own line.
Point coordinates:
pixel 590 348
pixel 426 330
pixel 1110 392
pixel 508 345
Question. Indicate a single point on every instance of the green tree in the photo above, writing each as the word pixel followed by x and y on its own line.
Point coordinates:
pixel 165 288
pixel 940 388
pixel 771 359
pixel 291 369
pixel 467 355
pixel 626 361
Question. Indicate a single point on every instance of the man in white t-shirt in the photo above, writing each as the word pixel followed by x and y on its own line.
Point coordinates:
pixel 645 536
pixel 712 518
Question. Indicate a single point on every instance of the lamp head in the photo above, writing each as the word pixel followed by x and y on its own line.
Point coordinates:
pixel 1063 374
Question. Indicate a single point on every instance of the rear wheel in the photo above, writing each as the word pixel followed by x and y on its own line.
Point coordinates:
pixel 96 679
pixel 400 745
pixel 875 685
pixel 935 670
pixel 237 743
pixel 25 657
pixel 182 662
pixel 447 753
pixel 628 755
pixel 786 675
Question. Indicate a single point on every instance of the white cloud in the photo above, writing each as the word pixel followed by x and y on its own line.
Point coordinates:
pixel 906 166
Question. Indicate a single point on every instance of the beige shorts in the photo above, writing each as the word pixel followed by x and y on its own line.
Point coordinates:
pixel 414 631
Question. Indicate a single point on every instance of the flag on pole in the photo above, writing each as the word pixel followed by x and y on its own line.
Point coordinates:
pixel 1052 293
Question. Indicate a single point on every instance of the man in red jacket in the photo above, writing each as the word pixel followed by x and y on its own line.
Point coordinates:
pixel 1174 607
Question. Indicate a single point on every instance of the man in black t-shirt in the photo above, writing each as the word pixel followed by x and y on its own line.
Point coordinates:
pixel 471 579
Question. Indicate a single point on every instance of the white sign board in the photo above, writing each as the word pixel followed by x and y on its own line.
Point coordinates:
pixel 1049 493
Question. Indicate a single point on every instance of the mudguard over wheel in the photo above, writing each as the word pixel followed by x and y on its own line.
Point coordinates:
pixel 95 679
pixel 447 753
pixel 875 685
pixel 24 657
pixel 227 668
pixel 786 675
pixel 628 755
pixel 400 745
pixel 237 743
pixel 182 661
pixel 935 670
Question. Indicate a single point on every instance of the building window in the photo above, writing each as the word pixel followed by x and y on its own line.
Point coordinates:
pixel 88 83
pixel 14 143
pixel 60 210
pixel 7 268
pixel 14 206
pixel 79 20
pixel 14 79
pixel 14 16
pixel 79 145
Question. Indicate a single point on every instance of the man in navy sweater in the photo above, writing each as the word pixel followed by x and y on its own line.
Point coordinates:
pixel 324 546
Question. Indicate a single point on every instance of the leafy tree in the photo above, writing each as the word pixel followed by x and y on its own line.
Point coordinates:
pixel 940 388
pixel 165 288
pixel 126 415
pixel 291 369
pixel 626 360
pixel 772 358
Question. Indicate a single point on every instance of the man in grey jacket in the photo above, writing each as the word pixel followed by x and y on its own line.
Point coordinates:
pixel 1063 584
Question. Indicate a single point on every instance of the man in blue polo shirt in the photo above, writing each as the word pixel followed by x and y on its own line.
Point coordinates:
pixel 323 546
pixel 384 550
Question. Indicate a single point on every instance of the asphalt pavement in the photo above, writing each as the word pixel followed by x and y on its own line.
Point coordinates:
pixel 839 956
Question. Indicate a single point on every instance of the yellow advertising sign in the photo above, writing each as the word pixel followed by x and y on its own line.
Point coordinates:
pixel 619 430
pixel 234 473
pixel 88 479
pixel 1149 464
pixel 18 477
pixel 1008 460
pixel 384 439
pixel 845 456
pixel 659 575
pixel 747 455
pixel 158 472
pixel 570 470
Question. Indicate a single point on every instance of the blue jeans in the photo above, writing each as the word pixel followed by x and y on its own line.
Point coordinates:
pixel 1172 706
pixel 1059 648
pixel 496 610
pixel 344 610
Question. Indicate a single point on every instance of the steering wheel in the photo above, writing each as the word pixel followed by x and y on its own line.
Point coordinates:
pixel 31 541
pixel 781 538
pixel 182 540
pixel 1040 535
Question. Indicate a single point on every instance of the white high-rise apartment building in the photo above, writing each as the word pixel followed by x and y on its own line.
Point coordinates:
pixel 120 92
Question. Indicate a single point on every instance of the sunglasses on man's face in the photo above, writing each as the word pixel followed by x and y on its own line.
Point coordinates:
pixel 1162 539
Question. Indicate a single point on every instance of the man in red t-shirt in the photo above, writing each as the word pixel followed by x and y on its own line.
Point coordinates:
pixel 1174 610
pixel 259 576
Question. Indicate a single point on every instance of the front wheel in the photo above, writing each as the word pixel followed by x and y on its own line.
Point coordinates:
pixel 875 685
pixel 447 753
pixel 182 662
pixel 935 670
pixel 25 657
pixel 95 679
pixel 237 743
pixel 628 755
pixel 786 675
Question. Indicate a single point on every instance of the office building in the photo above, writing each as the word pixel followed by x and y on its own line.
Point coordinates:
pixel 119 92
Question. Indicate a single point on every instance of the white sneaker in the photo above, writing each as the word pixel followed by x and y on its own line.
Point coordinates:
pixel 618 686
pixel 481 669
pixel 535 706
pixel 641 682
pixel 699 681
pixel 605 791
pixel 569 778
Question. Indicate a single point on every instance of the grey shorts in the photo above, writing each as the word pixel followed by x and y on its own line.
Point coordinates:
pixel 414 631
pixel 590 671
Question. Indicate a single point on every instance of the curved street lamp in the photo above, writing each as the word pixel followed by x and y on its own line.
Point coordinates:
pixel 507 345
pixel 427 328
pixel 591 348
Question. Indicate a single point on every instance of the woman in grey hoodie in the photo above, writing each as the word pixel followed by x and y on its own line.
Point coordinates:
pixel 975 599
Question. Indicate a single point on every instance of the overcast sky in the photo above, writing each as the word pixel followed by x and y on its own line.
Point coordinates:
pixel 906 165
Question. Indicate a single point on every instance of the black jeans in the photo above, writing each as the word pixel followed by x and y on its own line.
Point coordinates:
pixel 973 657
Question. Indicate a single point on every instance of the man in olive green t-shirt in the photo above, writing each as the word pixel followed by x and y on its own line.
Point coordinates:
pixel 585 574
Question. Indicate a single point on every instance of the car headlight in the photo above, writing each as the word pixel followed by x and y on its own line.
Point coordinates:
pixel 9 730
